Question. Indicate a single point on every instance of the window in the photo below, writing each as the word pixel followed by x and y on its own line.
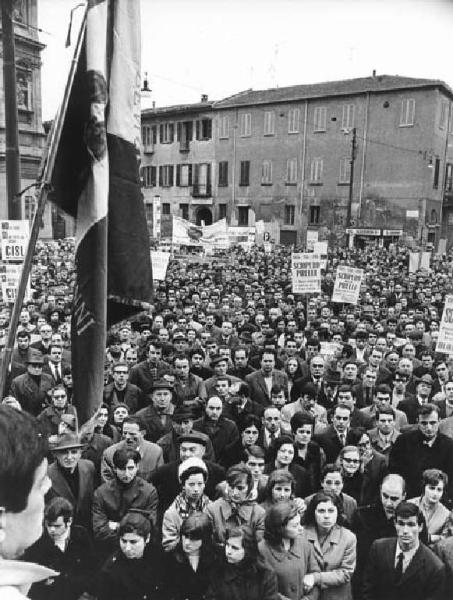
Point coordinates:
pixel 224 126
pixel 449 177
pixel 316 168
pixel 244 178
pixel 293 120
pixel 290 211
pixel 266 172
pixel 347 119
pixel 166 176
pixel 149 136
pixel 184 133
pixel 407 112
pixel 246 125
pixel 291 171
pixel 223 173
pixel 345 170
pixel 184 210
pixel 166 133
pixel 443 115
pixel 148 176
pixel 222 211
pixel 202 180
pixel 320 118
pixel 165 208
pixel 183 175
pixel 436 173
pixel 203 129
pixel 243 216
pixel 314 215
pixel 269 122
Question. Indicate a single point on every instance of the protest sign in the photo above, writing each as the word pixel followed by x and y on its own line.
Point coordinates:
pixel 347 285
pixel 306 273
pixel 445 339
pixel 159 262
pixel 14 240
pixel 321 249
pixel 312 239
pixel 9 279
pixel 418 261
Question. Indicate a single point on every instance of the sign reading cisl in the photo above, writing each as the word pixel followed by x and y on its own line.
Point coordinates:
pixel 14 240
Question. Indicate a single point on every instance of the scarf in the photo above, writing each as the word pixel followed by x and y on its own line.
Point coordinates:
pixel 185 508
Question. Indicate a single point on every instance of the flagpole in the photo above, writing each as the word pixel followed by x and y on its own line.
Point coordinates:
pixel 45 174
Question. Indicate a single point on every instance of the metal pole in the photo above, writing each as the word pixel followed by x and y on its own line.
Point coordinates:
pixel 46 171
pixel 12 155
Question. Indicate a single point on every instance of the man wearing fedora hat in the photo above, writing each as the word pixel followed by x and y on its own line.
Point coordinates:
pixel 72 477
pixel 31 388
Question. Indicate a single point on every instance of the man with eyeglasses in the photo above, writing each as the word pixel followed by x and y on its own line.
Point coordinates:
pixel 43 345
pixel 317 368
pixel 51 417
pixel 423 448
pixel 120 391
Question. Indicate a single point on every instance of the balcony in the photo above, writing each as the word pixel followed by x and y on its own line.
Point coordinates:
pixel 148 148
pixel 201 190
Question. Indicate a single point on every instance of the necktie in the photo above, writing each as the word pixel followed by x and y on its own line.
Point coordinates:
pixel 399 567
pixel 271 438
pixel 342 439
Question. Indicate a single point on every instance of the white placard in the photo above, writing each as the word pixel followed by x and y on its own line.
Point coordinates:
pixel 347 285
pixel 312 238
pixel 445 339
pixel 14 240
pixel 419 260
pixel 9 277
pixel 306 273
pixel 157 212
pixel 159 264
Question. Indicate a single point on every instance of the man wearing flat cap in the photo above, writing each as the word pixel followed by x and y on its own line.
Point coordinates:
pixel 157 416
pixel 165 478
pixel 72 477
pixel 31 388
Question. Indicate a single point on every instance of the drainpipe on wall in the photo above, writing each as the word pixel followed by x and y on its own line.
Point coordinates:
pixel 443 233
pixel 364 149
pixel 302 177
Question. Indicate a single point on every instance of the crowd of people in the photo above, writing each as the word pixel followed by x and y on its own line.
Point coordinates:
pixel 251 443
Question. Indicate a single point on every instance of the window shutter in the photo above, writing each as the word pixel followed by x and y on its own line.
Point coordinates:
pixel 190 175
pixel 178 175
pixel 171 172
pixel 172 132
pixel 161 176
pixel 178 132
pixel 195 175
pixel 153 176
pixel 208 174
pixel 247 171
pixel 154 130
pixel 197 129
pixel 209 129
pixel 161 133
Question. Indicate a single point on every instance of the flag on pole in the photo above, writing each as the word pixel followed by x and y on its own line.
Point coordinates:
pixel 96 180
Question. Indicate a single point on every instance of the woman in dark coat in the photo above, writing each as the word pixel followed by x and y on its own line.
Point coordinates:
pixel 189 566
pixel 135 571
pixel 240 573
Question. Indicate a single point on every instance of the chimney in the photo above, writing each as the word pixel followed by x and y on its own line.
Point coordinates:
pixel 374 73
pixel 154 105
pixel 204 97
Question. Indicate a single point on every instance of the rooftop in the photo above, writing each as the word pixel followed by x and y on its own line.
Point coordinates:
pixel 361 85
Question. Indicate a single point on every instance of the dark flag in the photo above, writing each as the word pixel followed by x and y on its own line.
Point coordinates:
pixel 96 180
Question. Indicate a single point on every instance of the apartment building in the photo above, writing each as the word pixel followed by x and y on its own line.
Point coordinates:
pixel 284 155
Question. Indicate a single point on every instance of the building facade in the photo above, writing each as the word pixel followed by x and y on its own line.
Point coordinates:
pixel 284 156
pixel 31 134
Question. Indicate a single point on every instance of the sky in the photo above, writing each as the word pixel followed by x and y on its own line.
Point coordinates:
pixel 220 47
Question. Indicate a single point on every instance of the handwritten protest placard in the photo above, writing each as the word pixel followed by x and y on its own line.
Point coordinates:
pixel 306 273
pixel 159 263
pixel 445 339
pixel 347 285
